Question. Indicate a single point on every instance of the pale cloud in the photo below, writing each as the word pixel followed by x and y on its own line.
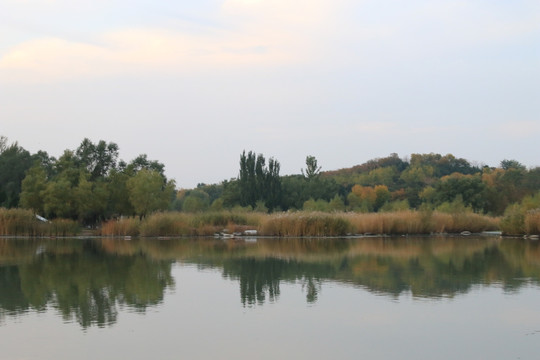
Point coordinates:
pixel 344 80
pixel 130 51
pixel 519 129
pixel 377 128
pixel 267 33
pixel 257 33
pixel 425 31
pixel 394 128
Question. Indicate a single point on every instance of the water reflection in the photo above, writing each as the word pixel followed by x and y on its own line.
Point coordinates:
pixel 80 279
pixel 88 280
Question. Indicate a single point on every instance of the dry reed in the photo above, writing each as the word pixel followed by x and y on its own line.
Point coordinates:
pixel 21 222
pixel 532 222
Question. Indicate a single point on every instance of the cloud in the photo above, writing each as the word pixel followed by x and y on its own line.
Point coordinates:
pixel 255 33
pixel 261 33
pixel 519 129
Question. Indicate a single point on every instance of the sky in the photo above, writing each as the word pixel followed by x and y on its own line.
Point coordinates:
pixel 192 84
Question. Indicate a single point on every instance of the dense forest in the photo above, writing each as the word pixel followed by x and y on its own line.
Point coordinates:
pixel 91 184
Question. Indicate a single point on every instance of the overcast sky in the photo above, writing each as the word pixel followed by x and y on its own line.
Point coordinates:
pixel 194 83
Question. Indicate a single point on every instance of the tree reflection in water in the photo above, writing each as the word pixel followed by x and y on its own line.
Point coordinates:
pixel 88 280
pixel 261 277
pixel 84 282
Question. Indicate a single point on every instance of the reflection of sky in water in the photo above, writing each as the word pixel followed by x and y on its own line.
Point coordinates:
pixel 204 318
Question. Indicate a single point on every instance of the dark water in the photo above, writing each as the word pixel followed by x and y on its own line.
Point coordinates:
pixel 374 298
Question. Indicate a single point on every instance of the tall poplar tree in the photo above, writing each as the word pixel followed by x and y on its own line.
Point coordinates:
pixel 258 182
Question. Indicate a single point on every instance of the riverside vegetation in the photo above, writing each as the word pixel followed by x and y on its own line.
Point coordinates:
pixel 89 187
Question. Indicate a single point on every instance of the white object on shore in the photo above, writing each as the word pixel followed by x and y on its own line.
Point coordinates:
pixel 41 218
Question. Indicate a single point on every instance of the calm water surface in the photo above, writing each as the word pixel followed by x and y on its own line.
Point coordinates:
pixel 372 298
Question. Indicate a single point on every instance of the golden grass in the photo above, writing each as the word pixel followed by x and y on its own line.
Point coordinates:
pixel 532 222
pixel 420 222
pixel 122 227
pixel 294 224
pixel 305 224
pixel 20 222
pixel 181 224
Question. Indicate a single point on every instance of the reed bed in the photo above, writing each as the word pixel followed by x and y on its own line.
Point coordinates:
pixel 61 227
pixel 305 224
pixel 18 222
pixel 21 222
pixel 298 224
pixel 182 224
pixel 121 227
pixel 532 222
pixel 420 222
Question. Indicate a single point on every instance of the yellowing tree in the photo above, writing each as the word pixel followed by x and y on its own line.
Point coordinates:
pixel 382 196
pixel 367 198
pixel 362 198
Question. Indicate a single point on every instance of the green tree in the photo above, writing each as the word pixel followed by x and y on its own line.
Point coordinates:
pixel 336 204
pixel 148 192
pixel 59 199
pixel 512 164
pixel 98 159
pixel 272 191
pixel 312 169
pixel 91 200
pixel 14 162
pixel 469 188
pixel 33 185
pixel 141 162
pixel 196 201
pixel 382 196
pixel 258 182
pixel 119 194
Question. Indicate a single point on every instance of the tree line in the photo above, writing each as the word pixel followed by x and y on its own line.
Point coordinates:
pixel 91 184
pixel 423 181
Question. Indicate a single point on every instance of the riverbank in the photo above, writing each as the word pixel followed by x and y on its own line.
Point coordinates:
pixel 19 222
pixel 299 224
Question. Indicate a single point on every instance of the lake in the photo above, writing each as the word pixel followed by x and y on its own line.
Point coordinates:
pixel 267 298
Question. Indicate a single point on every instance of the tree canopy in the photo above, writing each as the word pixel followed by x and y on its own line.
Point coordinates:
pixel 91 184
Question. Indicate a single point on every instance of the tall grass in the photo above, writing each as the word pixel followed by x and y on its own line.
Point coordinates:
pixel 21 222
pixel 420 222
pixel 305 224
pixel 301 223
pixel 61 227
pixel 18 222
pixel 182 224
pixel 122 227
pixel 532 222
pixel 522 218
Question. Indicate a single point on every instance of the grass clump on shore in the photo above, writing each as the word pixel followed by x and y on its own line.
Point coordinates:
pixel 522 218
pixel 420 222
pixel 532 222
pixel 297 224
pixel 18 222
pixel 21 222
pixel 182 224
pixel 305 224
